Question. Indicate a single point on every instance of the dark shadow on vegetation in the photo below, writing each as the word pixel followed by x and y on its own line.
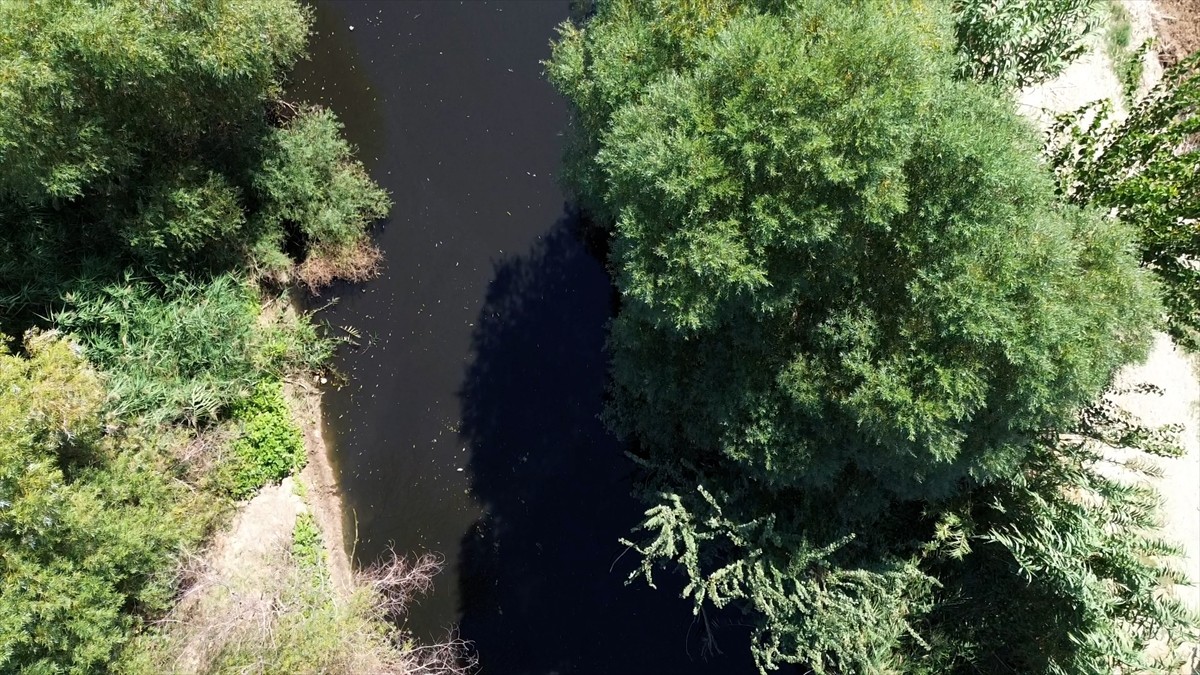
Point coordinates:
pixel 542 573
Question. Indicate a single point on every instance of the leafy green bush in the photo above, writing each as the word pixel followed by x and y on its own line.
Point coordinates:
pixel 184 218
pixel 1022 42
pixel 270 447
pixel 186 351
pixel 310 181
pixel 308 549
pixel 1147 168
pixel 88 522
pixel 1071 544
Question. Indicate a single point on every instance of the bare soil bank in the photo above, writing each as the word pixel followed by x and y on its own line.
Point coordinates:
pixel 1177 23
pixel 322 493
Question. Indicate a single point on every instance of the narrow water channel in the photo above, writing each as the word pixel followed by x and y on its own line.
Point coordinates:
pixel 468 424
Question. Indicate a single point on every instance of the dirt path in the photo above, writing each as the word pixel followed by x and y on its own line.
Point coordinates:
pixel 1090 79
pixel 228 586
pixel 1172 369
pixel 237 580
pixel 1178 24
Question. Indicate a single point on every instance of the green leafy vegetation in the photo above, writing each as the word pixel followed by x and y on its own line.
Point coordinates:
pixel 1016 43
pixel 855 322
pixel 139 136
pixel 270 446
pixel 89 520
pixel 307 547
pixel 100 93
pixel 310 181
pixel 184 350
pixel 1145 167
pixel 147 187
pixel 1127 60
pixel 861 353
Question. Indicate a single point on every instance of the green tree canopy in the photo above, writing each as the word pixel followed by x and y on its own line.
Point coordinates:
pixel 93 90
pixel 148 135
pixel 849 296
pixel 84 528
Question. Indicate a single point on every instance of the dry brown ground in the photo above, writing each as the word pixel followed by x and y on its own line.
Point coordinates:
pixel 1178 28
pixel 323 495
pixel 228 584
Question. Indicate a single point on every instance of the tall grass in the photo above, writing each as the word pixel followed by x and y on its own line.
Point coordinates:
pixel 184 350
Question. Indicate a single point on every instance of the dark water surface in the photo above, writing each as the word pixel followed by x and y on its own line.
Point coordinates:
pixel 468 425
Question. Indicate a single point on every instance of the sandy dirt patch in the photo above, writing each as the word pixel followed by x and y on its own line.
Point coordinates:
pixel 260 529
pixel 226 587
pixel 303 396
pixel 323 494
pixel 1090 78
pixel 1171 369
pixel 1177 22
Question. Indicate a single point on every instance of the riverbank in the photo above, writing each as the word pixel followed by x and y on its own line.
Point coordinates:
pixel 323 495
pixel 273 589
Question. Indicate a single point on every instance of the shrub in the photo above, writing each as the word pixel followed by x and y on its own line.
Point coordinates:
pixel 270 448
pixel 1022 42
pixel 1146 169
pixel 185 218
pixel 309 181
pixel 848 294
pixel 87 521
pixel 92 90
pixel 307 547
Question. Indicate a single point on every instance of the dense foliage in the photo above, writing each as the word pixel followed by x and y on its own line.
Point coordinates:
pixel 139 134
pixel 1061 568
pixel 150 177
pixel 94 92
pixel 1016 43
pixel 270 447
pixel 310 181
pixel 853 315
pixel 184 351
pixel 1146 168
pixel 88 520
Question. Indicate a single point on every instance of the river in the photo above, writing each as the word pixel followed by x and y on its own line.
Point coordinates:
pixel 468 421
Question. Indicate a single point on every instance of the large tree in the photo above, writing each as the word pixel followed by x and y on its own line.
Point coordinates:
pixel 150 134
pixel 849 298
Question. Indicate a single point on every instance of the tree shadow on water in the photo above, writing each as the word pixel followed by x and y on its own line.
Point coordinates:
pixel 542 575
